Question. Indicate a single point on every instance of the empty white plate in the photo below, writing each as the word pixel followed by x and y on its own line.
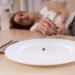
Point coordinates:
pixel 42 52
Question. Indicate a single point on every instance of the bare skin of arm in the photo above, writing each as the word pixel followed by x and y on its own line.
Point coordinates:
pixel 43 25
pixel 46 27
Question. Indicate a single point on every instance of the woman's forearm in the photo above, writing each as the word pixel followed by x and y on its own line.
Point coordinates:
pixel 64 16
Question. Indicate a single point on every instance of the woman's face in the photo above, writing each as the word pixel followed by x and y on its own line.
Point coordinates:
pixel 24 18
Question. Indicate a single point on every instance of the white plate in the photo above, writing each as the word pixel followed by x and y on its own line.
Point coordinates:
pixel 42 52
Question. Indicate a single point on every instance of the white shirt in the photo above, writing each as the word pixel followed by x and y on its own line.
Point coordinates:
pixel 56 18
pixel 49 14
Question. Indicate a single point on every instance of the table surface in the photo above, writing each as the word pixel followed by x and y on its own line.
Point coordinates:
pixel 8 67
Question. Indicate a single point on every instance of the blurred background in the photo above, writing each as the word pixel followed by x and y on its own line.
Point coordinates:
pixel 32 5
pixel 8 7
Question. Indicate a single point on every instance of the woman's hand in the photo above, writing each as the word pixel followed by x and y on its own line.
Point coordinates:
pixel 47 27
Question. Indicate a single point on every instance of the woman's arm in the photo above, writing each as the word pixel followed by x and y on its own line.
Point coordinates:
pixel 64 15
pixel 45 26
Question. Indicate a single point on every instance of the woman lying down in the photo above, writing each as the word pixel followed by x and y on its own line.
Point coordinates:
pixel 48 22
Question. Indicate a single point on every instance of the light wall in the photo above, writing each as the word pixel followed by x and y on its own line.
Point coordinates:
pixel 29 5
pixel 35 5
pixel 71 5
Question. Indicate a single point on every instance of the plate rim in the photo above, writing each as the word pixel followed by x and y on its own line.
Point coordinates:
pixel 38 64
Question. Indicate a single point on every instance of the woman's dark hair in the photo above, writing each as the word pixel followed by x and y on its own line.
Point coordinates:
pixel 14 25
